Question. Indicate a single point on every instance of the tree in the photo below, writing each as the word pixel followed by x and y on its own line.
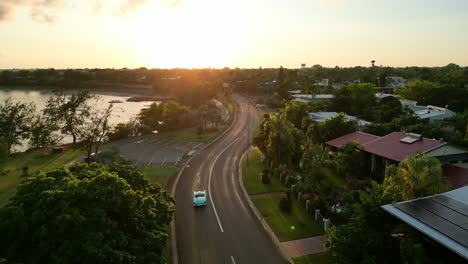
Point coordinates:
pixel 95 130
pixel 387 109
pixel 351 162
pixel 363 99
pixel 15 121
pixel 69 111
pixel 151 118
pixel 86 214
pixel 172 113
pixel 43 132
pixel 294 112
pixel 331 128
pixel 417 176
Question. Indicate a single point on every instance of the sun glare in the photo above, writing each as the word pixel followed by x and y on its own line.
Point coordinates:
pixel 187 35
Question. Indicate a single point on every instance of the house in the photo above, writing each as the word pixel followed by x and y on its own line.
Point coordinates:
pixel 305 98
pixel 396 81
pixel 442 217
pixel 424 112
pixel 322 116
pixel 397 146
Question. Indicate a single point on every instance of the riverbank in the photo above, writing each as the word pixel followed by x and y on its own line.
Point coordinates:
pixel 102 89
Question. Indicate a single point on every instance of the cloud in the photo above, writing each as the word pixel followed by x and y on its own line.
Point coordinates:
pixel 41 10
pixel 133 5
pixel 47 11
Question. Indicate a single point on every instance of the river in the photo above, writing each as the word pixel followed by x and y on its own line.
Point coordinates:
pixel 122 112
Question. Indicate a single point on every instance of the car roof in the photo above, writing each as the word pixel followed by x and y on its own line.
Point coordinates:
pixel 199 192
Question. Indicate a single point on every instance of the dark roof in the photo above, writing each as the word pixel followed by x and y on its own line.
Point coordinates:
pixel 361 137
pixel 391 147
pixel 458 177
pixel 442 217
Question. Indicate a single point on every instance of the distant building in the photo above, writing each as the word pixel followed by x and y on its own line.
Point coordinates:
pixel 322 116
pixel 303 66
pixel 424 112
pixel 295 91
pixel 305 98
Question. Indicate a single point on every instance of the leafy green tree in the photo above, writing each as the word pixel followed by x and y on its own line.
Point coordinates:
pixel 294 112
pixel 95 130
pixel 331 128
pixel 172 115
pixel 387 109
pixel 369 227
pixel 151 118
pixel 86 214
pixel 363 99
pixel 15 121
pixel 351 162
pixel 69 111
pixel 43 132
pixel 417 176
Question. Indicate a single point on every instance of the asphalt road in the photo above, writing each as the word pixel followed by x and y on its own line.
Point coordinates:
pixel 226 230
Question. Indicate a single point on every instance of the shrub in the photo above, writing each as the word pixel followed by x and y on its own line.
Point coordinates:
pixel 265 178
pixel 285 203
pixel 290 180
pixel 199 130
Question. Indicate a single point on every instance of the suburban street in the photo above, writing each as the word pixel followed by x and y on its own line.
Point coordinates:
pixel 226 230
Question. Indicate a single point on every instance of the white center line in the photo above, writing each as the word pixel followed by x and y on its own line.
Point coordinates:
pixel 209 184
pixel 233 261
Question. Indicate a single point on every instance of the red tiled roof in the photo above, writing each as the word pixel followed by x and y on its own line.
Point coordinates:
pixel 458 177
pixel 390 147
pixel 361 137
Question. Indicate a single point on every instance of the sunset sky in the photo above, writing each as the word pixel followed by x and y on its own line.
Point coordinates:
pixel 235 33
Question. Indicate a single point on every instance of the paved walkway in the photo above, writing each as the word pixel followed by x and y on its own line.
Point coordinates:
pixel 265 194
pixel 306 246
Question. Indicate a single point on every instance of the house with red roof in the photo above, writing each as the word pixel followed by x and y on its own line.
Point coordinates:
pixel 397 146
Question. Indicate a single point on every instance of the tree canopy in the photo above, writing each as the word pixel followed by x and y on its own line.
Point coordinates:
pixel 86 214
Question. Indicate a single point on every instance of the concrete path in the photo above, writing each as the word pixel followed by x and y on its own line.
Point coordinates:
pixel 265 194
pixel 306 246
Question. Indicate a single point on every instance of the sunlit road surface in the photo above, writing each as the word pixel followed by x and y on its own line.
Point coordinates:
pixel 226 230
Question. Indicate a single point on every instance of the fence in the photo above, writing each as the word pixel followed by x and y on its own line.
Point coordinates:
pixel 325 223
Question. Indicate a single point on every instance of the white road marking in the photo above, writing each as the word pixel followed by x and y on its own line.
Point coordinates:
pixel 209 184
pixel 233 261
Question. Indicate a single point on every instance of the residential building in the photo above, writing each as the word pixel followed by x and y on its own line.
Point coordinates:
pixel 322 116
pixel 397 146
pixel 442 218
pixel 305 98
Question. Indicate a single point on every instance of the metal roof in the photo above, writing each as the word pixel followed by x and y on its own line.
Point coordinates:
pixel 443 217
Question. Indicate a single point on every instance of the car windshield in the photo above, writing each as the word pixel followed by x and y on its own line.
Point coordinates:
pixel 200 195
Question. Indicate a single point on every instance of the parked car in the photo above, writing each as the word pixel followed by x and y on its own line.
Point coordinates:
pixel 199 198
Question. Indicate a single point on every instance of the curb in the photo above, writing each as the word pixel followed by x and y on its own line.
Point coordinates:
pixel 259 216
pixel 175 259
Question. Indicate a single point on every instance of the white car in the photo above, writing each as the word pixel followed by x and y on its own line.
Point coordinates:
pixel 199 198
pixel 260 105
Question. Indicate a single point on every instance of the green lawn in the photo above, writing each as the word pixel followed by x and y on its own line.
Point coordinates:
pixel 35 160
pixel 158 174
pixel 252 179
pixel 318 258
pixel 294 225
pixel 189 135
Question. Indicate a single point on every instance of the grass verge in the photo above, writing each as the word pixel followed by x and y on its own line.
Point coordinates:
pixel 252 178
pixel 318 258
pixel 35 161
pixel 190 135
pixel 158 174
pixel 292 225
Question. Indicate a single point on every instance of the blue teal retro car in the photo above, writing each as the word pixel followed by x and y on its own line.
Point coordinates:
pixel 199 198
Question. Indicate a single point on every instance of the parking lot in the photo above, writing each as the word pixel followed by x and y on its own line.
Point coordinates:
pixel 149 151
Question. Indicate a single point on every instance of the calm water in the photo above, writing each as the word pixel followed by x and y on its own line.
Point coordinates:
pixel 122 112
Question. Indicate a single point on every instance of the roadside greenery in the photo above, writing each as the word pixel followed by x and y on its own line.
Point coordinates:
pixel 86 214
pixel 292 225
pixel 158 174
pixel 317 258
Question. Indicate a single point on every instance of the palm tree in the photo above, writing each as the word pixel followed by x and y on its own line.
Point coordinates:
pixel 417 176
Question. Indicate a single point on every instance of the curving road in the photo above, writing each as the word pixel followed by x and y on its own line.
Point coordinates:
pixel 226 230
